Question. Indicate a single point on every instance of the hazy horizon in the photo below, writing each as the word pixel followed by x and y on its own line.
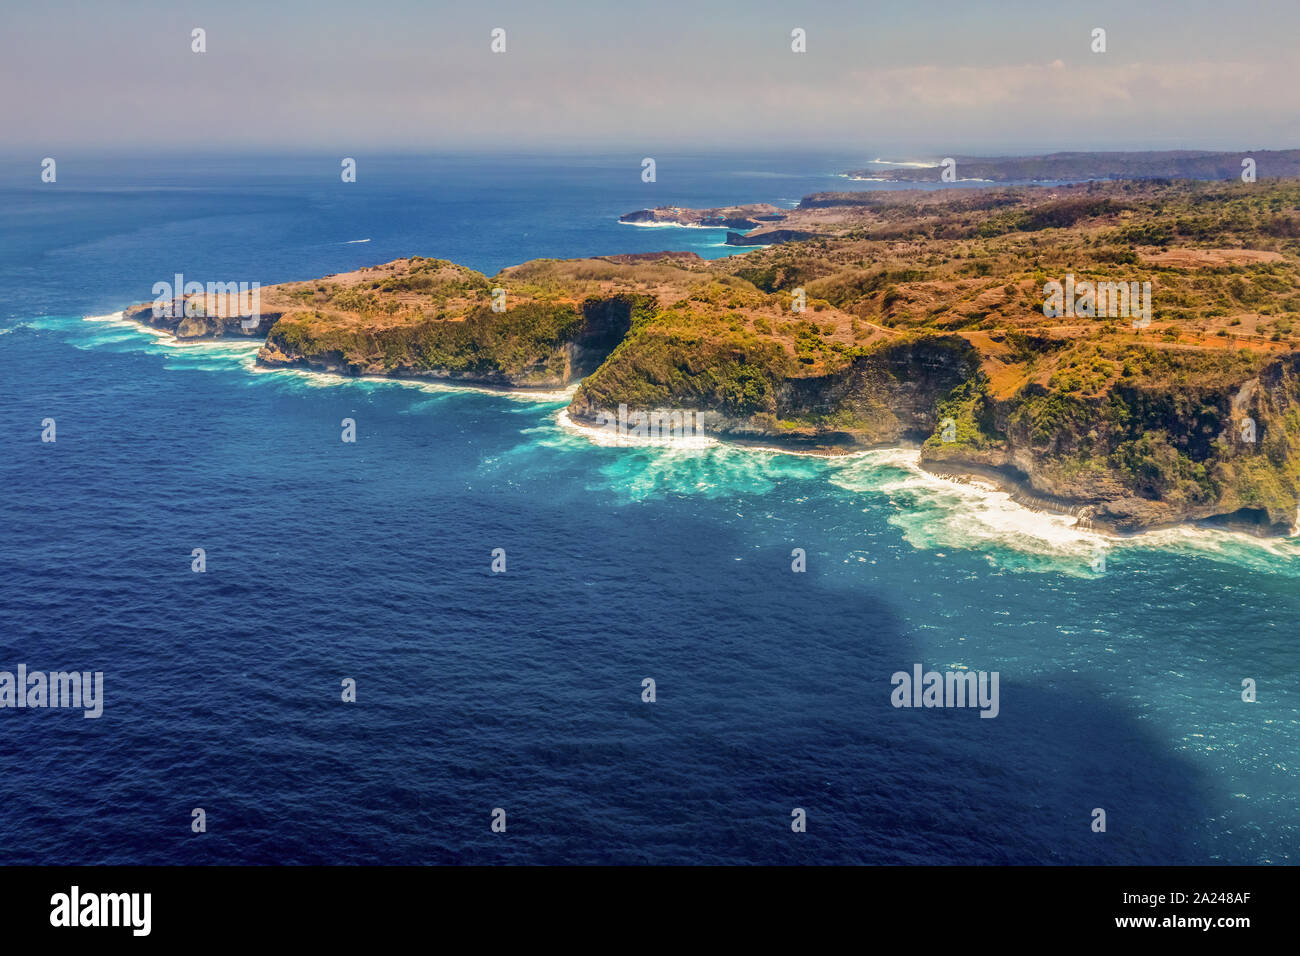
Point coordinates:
pixel 946 79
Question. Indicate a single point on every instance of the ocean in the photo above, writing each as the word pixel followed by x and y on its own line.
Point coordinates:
pixel 477 692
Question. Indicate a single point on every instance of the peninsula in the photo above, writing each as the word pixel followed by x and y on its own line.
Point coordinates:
pixel 879 318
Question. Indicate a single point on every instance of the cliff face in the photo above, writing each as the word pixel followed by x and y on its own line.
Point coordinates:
pixel 889 393
pixel 530 345
pixel 1195 438
pixel 1209 443
pixel 893 393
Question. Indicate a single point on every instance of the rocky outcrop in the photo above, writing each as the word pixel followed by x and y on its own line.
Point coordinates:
pixel 1214 448
pixel 730 217
pixel 188 319
pixel 531 345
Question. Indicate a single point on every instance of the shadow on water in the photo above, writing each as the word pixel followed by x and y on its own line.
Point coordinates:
pixel 477 691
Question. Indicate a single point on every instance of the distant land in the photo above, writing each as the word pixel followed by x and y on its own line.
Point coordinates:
pixel 732 217
pixel 923 323
pixel 1076 167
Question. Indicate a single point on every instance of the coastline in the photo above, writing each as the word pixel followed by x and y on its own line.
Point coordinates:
pixel 541 394
pixel 957 473
pixel 683 332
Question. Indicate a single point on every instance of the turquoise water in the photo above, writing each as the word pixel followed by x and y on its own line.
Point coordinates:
pixel 1120 689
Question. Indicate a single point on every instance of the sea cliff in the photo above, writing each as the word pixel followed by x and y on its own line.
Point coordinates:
pixel 896 318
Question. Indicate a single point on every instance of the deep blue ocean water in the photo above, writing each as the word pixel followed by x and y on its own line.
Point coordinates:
pixel 1119 689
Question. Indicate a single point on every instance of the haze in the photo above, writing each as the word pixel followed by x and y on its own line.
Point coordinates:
pixel 895 79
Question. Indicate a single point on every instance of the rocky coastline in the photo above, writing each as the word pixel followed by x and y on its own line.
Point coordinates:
pixel 885 321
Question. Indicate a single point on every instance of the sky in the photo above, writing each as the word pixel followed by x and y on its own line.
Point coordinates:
pixel 899 79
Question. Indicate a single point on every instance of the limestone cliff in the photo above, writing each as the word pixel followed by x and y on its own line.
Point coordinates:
pixel 1198 439
pixel 530 345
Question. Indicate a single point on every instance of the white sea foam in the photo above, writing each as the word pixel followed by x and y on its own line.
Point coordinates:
pixel 610 438
pixel 935 512
pixel 237 347
pixel 645 470
pixel 243 352
pixel 914 164
pixel 317 379
pixel 931 512
pixel 669 225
